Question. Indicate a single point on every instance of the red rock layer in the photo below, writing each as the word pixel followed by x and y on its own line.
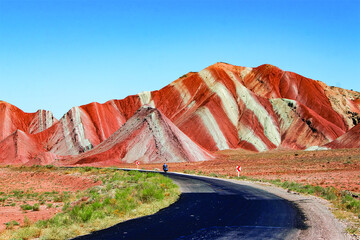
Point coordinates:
pixel 12 119
pixel 271 82
pixel 21 148
pixel 348 140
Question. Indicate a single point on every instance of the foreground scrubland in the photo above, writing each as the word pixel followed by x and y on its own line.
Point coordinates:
pixel 73 202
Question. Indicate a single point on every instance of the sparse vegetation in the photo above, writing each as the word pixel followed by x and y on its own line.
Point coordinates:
pixel 189 171
pixel 11 224
pixel 121 196
pixel 36 207
pixel 26 207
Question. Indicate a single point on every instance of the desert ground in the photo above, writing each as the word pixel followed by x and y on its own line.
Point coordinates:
pixel 19 188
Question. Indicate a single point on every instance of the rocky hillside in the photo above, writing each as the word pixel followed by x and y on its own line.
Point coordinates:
pixel 148 136
pixel 221 107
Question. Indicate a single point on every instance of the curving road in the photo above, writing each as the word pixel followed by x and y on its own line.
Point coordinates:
pixel 213 209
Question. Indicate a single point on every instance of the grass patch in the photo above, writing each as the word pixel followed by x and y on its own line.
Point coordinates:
pixel 121 196
pixel 26 207
pixel 11 224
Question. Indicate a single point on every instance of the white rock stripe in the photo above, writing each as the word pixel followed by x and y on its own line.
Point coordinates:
pixel 188 148
pixel 79 127
pixel 44 123
pixel 271 130
pixel 245 72
pixel 193 103
pixel 249 135
pixel 49 119
pixel 183 91
pixel 41 123
pixel 159 133
pixel 228 102
pixel 68 141
pixel 213 128
pixel 316 148
pixel 145 98
pixel 284 112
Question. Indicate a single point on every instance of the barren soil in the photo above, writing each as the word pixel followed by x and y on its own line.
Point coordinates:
pixel 39 182
pixel 338 168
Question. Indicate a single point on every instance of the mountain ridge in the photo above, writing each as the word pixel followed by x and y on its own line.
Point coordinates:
pixel 221 107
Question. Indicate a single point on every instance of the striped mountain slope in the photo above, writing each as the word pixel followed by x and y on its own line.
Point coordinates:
pixel 221 107
pixel 148 136
pixel 348 140
pixel 13 118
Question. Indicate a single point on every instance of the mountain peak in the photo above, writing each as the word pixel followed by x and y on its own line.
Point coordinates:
pixel 148 136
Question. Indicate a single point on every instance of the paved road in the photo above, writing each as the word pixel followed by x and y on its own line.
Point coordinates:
pixel 213 209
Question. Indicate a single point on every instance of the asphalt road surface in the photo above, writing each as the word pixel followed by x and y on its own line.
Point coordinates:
pixel 213 209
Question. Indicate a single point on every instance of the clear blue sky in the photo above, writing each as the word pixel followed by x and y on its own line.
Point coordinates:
pixel 57 54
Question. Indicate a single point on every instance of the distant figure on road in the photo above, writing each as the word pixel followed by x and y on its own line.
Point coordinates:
pixel 165 168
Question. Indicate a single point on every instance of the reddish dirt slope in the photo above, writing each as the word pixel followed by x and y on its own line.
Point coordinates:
pixel 148 136
pixel 12 119
pixel 84 127
pixel 351 139
pixel 271 82
pixel 21 148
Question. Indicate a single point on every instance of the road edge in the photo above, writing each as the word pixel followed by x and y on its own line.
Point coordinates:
pixel 316 212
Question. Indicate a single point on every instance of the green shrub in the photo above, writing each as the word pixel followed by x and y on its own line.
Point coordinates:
pixel 88 169
pixel 74 213
pixel 150 192
pixel 36 207
pixel 85 213
pixel 26 207
pixel 42 223
pixel 11 224
pixel 17 194
pixel 52 167
pixel 96 205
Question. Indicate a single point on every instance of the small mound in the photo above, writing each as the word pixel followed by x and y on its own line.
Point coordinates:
pixel 148 136
pixel 21 148
pixel 348 140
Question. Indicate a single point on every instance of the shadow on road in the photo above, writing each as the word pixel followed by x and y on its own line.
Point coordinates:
pixel 211 216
